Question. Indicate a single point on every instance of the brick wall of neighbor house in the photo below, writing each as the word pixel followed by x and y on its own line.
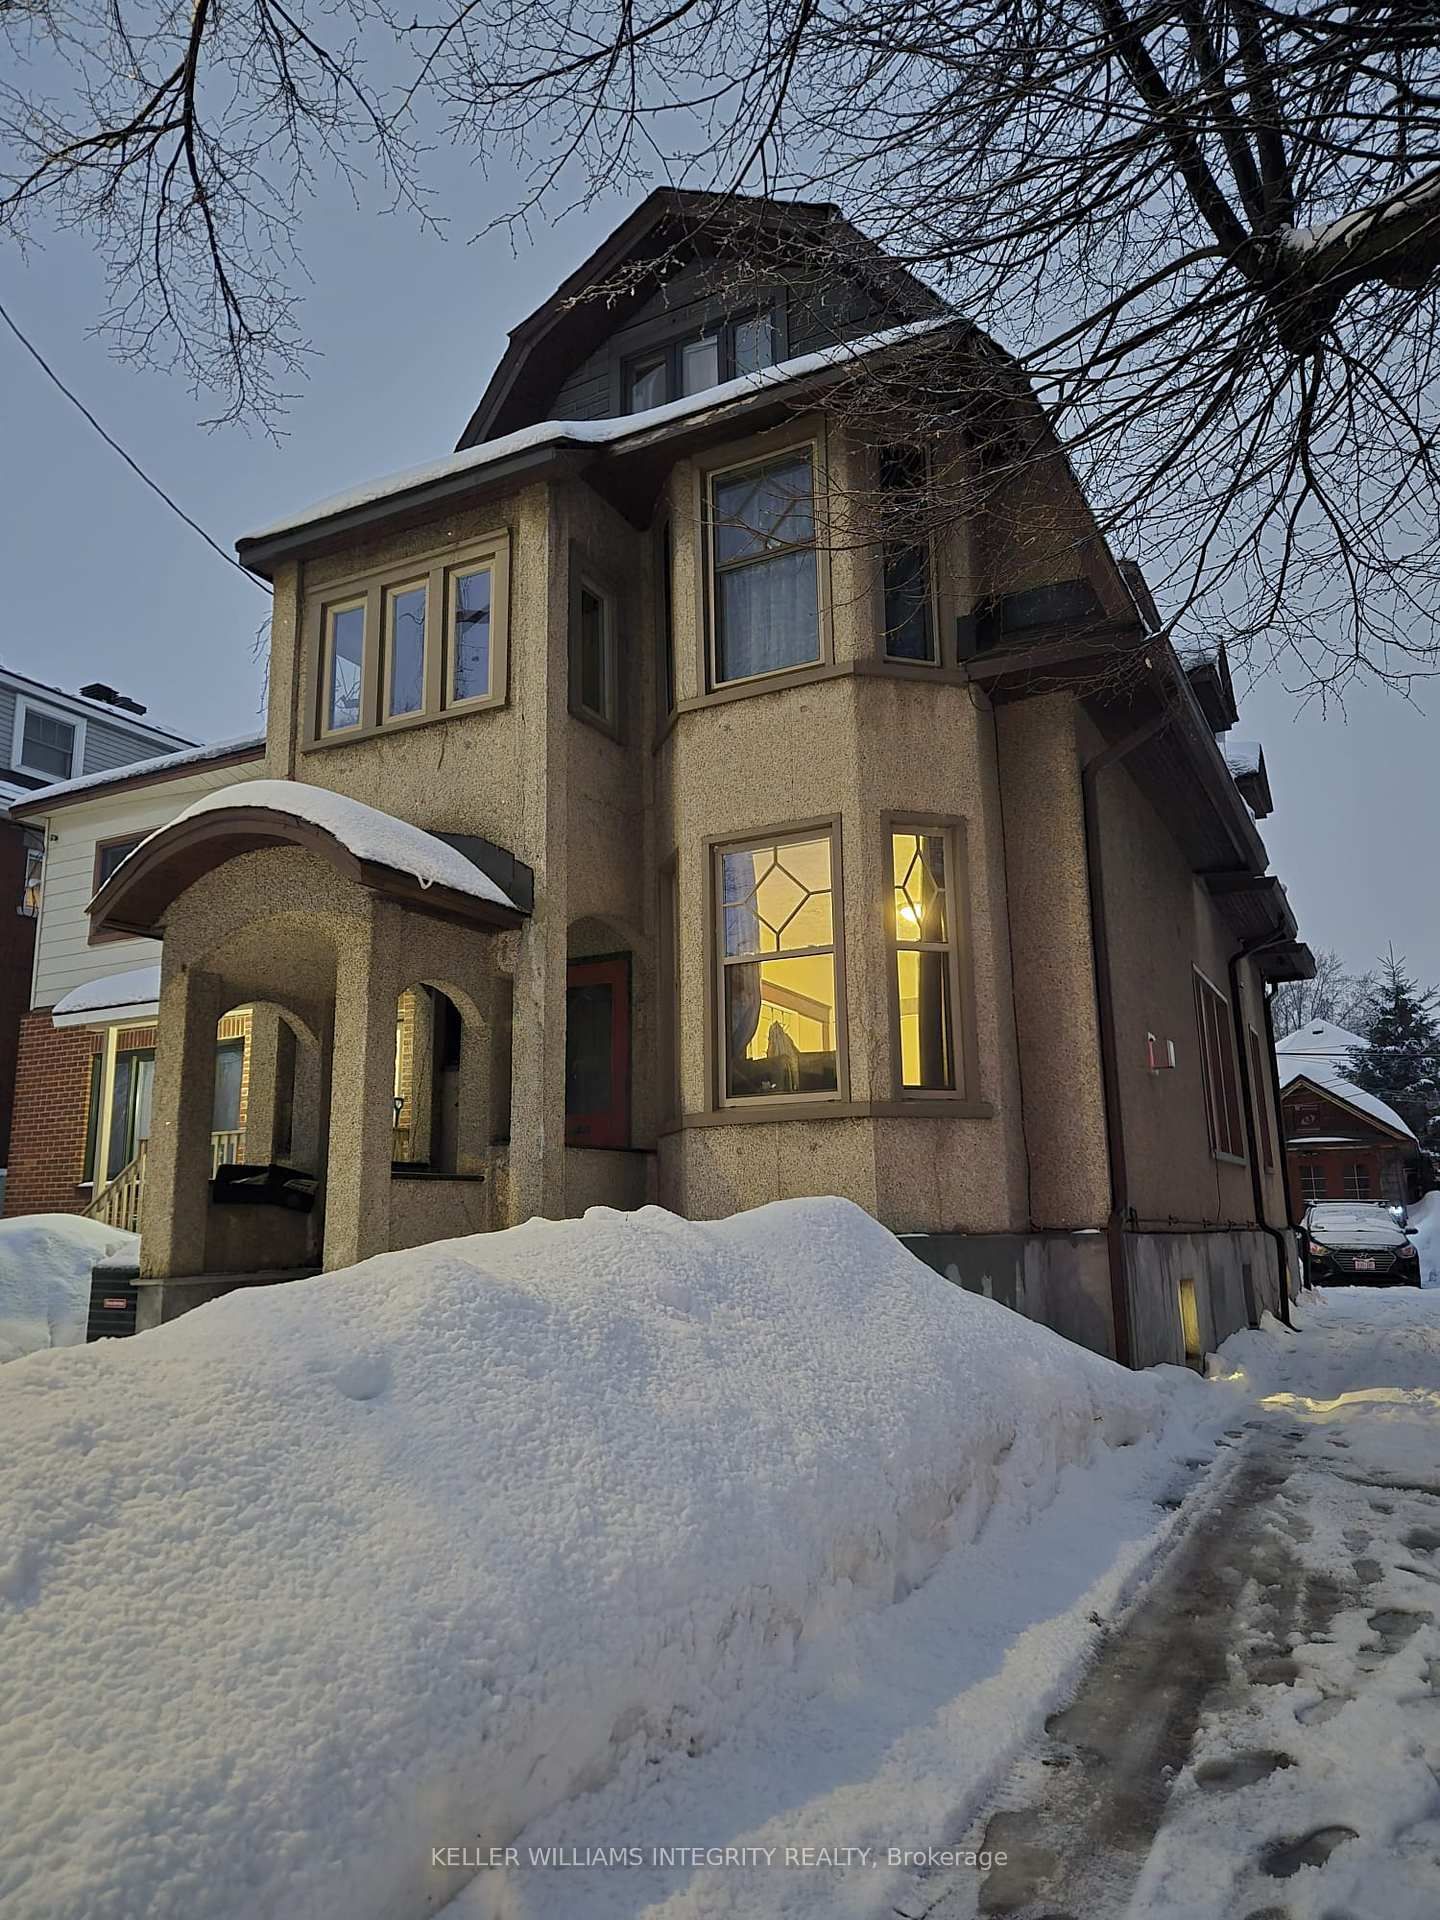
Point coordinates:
pixel 17 954
pixel 52 1100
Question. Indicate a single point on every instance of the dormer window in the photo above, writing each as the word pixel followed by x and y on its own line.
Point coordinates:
pixel 700 360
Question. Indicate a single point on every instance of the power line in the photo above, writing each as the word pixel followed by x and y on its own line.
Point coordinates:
pixel 134 465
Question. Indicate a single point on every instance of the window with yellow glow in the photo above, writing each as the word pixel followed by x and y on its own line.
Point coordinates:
pixel 923 917
pixel 779 1003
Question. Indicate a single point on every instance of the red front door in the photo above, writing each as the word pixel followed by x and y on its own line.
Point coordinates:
pixel 597 1053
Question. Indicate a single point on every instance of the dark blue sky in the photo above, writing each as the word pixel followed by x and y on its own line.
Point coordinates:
pixel 105 584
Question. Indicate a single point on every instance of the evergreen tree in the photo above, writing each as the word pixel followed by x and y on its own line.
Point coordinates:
pixel 1400 1062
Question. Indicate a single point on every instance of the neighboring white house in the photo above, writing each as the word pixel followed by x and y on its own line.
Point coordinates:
pixel 86 1055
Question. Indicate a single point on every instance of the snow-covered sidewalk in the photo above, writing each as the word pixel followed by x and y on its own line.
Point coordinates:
pixel 1262 1737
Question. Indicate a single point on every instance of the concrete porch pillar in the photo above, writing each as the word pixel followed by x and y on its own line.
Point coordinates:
pixel 422 1075
pixel 175 1204
pixel 362 1081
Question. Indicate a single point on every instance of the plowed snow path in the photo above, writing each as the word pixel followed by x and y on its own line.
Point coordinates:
pixel 1260 1740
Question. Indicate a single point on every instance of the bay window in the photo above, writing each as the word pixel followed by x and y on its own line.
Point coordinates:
pixel 764 564
pixel 779 992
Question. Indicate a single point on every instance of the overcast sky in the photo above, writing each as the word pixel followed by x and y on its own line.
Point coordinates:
pixel 105 584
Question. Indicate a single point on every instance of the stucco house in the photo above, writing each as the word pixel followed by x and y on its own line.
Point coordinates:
pixel 710 833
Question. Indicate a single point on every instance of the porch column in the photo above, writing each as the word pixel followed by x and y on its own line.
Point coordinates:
pixel 309 1119
pixel 473 1114
pixel 422 1074
pixel 537 1075
pixel 175 1203
pixel 264 1085
pixel 362 1082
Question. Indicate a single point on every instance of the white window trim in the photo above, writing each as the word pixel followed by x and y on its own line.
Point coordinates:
pixel 25 705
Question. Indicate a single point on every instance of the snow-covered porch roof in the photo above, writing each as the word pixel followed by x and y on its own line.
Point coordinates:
pixel 387 856
pixel 132 997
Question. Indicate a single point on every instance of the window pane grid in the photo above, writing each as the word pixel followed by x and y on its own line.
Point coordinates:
pixel 924 979
pixel 765 570
pixel 778 974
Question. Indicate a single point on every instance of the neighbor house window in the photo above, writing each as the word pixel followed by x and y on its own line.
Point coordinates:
pixel 594 655
pixel 45 743
pixel 765 587
pixel 778 995
pixel 92 1119
pixel 110 854
pixel 1262 1105
pixel 30 887
pixel 925 968
pixel 130 1093
pixel 908 610
pixel 1312 1181
pixel 1357 1181
pixel 1217 1061
pixel 406 644
pixel 698 361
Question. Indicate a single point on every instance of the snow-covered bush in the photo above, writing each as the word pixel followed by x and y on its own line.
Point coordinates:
pixel 45 1263
pixel 321 1577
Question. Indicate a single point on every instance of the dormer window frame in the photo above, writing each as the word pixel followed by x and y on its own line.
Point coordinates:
pixel 668 354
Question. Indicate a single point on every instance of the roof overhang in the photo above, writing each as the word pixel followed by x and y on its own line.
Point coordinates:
pixel 1127 676
pixel 137 896
pixel 626 467
pixel 47 800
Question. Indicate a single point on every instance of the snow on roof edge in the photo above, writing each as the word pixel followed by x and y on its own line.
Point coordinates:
pixel 1317 1052
pixel 366 831
pixel 135 987
pixel 600 432
pixel 140 769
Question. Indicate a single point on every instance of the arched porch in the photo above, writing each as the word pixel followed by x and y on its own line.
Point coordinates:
pixel 259 905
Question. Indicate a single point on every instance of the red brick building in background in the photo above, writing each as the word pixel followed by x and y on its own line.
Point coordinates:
pixel 20 849
pixel 1342 1143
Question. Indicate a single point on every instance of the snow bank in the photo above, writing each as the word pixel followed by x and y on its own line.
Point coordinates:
pixel 1425 1221
pixel 369 833
pixel 45 1262
pixel 407 1555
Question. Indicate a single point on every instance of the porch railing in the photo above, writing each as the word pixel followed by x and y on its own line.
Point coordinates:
pixel 118 1202
pixel 226 1148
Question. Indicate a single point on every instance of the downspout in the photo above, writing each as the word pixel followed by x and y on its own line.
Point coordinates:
pixel 1249 1094
pixel 1282 1149
pixel 1111 756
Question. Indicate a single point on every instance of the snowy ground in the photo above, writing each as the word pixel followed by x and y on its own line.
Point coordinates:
pixel 709 1570
pixel 45 1265
pixel 1262 1736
